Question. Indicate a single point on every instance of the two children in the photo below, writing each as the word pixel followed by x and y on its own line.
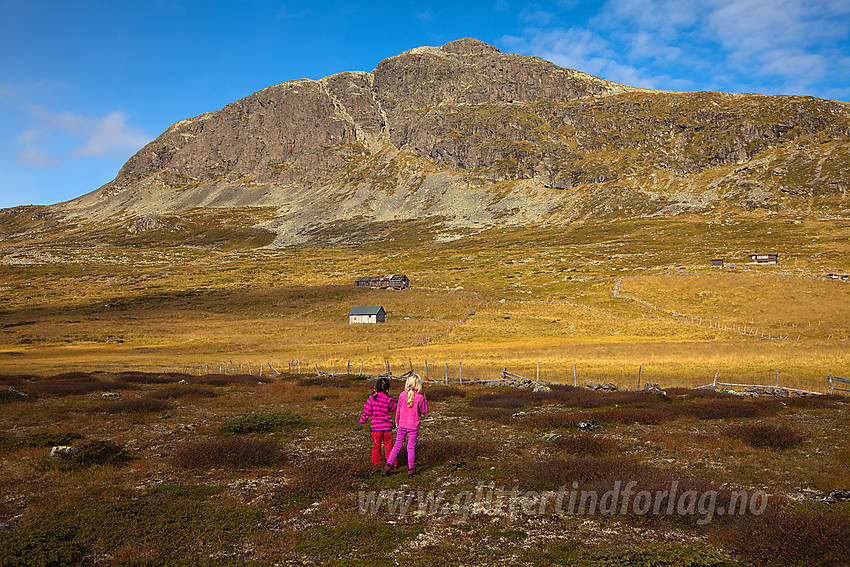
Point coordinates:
pixel 409 410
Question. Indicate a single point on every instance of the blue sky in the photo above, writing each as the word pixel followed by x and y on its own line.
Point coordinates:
pixel 85 84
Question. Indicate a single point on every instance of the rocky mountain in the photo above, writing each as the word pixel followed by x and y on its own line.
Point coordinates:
pixel 463 137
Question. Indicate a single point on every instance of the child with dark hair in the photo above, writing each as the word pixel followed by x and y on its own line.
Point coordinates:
pixel 380 409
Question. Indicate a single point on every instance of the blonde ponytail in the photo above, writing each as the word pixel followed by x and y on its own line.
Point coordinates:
pixel 412 385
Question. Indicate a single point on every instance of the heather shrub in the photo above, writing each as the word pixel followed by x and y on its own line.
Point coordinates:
pixel 499 415
pixel 766 435
pixel 176 391
pixel 725 408
pixel 780 537
pixel 508 400
pixel 14 379
pixel 316 478
pixel 263 423
pixel 700 393
pixel 8 395
pixel 549 420
pixel 92 453
pixel 73 384
pixel 229 380
pixel 444 392
pixel 233 451
pixel 327 381
pixel 135 405
pixel 433 452
pixel 629 415
pixel 585 444
pixel 149 377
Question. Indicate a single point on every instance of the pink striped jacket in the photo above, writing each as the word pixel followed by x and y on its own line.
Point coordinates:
pixel 380 408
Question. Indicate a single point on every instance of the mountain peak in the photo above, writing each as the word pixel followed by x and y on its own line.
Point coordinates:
pixel 469 46
pixel 464 137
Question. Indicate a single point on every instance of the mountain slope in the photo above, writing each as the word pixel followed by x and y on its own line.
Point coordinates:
pixel 465 137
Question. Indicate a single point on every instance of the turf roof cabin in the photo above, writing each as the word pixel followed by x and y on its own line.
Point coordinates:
pixel 396 281
pixel 763 258
pixel 370 314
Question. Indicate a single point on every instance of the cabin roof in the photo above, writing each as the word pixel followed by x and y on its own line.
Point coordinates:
pixel 366 310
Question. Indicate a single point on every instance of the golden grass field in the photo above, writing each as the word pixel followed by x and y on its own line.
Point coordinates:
pixel 509 298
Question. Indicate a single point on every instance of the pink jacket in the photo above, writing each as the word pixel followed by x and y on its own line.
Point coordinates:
pixel 409 417
pixel 379 408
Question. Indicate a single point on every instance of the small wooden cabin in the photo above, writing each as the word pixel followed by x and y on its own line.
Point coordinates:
pixel 717 262
pixel 368 314
pixel 394 281
pixel 763 258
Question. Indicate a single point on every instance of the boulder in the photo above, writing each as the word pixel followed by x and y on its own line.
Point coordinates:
pixel 62 451
pixel 590 425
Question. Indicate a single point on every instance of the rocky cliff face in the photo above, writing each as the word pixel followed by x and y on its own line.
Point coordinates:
pixel 469 137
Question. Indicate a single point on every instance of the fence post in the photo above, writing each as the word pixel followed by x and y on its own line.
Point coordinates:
pixel 777 377
pixel 460 371
pixel 639 371
pixel 426 369
pixel 537 377
pixel 447 373
pixel 575 378
pixel 361 368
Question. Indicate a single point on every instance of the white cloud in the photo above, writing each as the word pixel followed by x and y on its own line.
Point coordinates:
pixel 754 45
pixel 59 136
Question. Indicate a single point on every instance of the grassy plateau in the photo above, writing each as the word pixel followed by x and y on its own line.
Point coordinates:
pixel 195 458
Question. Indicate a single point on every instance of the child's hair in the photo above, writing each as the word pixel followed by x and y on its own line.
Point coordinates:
pixel 383 385
pixel 413 385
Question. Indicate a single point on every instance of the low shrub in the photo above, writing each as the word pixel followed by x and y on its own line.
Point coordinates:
pixel 92 453
pixel 370 538
pixel 780 537
pixel 434 452
pixel 508 400
pixel 73 384
pixel 499 415
pixel 766 435
pixel 548 420
pixel 699 393
pixel 150 377
pixel 38 440
pixel 229 379
pixel 327 381
pixel 14 379
pixel 316 478
pixel 176 391
pixel 444 392
pixel 235 451
pixel 629 415
pixel 263 423
pixel 725 408
pixel 9 395
pixel 585 444
pixel 165 522
pixel 135 405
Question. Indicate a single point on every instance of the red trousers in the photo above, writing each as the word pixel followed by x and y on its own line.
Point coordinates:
pixel 379 438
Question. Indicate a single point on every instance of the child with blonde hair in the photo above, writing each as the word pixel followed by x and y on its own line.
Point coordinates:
pixel 409 410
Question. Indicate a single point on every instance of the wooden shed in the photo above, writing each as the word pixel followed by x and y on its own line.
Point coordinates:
pixel 388 281
pixel 368 314
pixel 718 262
pixel 763 258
